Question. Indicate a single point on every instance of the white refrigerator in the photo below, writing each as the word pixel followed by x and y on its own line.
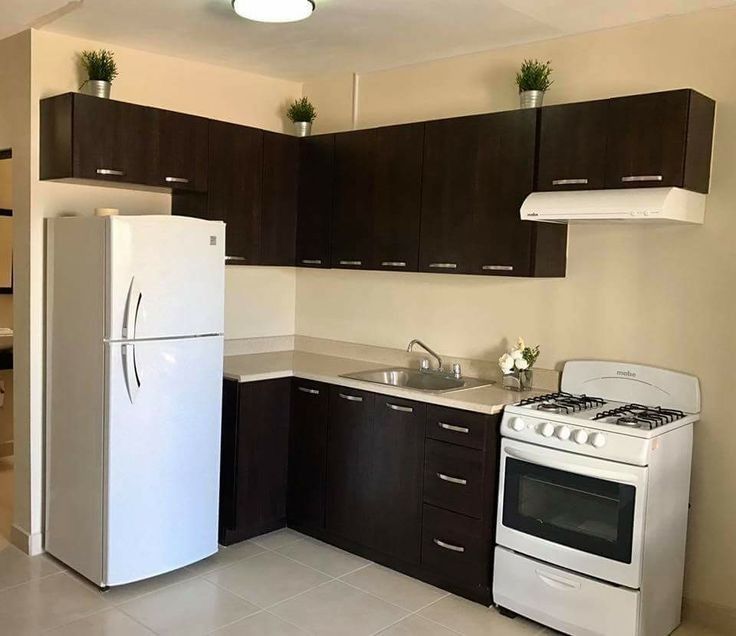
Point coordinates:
pixel 135 312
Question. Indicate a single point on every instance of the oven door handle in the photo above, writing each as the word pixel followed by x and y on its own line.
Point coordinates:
pixel 599 473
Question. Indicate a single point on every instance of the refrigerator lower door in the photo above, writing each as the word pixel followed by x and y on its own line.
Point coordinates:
pixel 162 455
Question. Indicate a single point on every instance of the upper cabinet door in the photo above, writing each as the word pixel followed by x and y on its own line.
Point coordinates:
pixel 572 147
pixel 501 241
pixel 456 165
pixel 352 219
pixel 182 155
pixel 316 181
pixel 114 141
pixel 234 190
pixel 396 165
pixel 280 184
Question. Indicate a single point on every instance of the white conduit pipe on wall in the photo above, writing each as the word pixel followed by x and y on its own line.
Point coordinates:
pixel 356 96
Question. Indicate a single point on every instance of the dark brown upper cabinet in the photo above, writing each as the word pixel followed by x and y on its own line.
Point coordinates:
pixel 660 139
pixel 84 137
pixel 377 198
pixel 572 147
pixel 279 207
pixel 316 184
pixel 182 151
pixel 235 188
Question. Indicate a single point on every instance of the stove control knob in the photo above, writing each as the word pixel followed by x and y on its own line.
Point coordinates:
pixel 580 436
pixel 563 432
pixel 517 424
pixel 598 440
pixel 547 429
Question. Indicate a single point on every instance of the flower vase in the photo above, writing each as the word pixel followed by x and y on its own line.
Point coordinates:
pixel 518 380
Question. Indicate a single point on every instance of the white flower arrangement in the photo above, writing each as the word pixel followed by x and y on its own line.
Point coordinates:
pixel 520 358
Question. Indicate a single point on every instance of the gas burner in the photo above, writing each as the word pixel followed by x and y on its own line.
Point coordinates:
pixel 562 403
pixel 638 416
pixel 549 406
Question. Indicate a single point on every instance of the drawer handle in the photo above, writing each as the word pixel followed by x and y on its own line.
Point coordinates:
pixel 641 177
pixel 358 263
pixel 498 268
pixel 304 389
pixel 176 180
pixel 111 173
pixel 393 264
pixel 351 398
pixel 235 258
pixel 453 428
pixel 449 546
pixel 312 261
pixel 570 182
pixel 443 265
pixel 453 480
pixel 397 407
pixel 557 581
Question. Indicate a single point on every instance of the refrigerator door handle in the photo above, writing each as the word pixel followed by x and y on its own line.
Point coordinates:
pixel 132 306
pixel 130 371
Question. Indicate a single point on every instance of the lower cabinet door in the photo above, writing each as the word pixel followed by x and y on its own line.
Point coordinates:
pixel 305 504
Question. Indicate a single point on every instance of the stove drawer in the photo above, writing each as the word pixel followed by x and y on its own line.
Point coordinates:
pixel 453 478
pixel 568 602
pixel 457 427
pixel 456 547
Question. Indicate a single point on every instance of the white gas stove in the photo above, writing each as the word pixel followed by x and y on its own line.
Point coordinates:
pixel 593 499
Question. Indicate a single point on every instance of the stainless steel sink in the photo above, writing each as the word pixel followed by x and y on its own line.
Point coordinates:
pixel 428 381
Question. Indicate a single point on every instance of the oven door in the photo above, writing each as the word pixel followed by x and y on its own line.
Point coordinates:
pixel 574 511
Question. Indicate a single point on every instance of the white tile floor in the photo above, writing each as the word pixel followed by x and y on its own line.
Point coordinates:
pixel 281 584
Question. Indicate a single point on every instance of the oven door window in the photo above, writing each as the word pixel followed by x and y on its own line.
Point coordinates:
pixel 585 513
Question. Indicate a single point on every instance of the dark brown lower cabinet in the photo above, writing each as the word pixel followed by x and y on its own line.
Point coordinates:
pixel 253 469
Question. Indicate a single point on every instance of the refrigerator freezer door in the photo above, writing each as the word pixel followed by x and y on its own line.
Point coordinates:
pixel 166 277
pixel 162 455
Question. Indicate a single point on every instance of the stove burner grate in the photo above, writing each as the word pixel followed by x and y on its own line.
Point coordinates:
pixel 644 417
pixel 562 402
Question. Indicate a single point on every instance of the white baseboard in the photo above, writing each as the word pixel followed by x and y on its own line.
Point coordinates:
pixel 31 544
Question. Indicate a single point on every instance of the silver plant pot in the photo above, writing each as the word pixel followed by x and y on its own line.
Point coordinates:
pixel 97 88
pixel 303 128
pixel 531 99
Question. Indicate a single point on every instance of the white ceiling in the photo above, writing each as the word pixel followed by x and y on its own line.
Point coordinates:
pixel 342 35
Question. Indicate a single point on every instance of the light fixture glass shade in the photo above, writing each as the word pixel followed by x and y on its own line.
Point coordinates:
pixel 274 10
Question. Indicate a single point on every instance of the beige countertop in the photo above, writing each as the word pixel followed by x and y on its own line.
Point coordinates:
pixel 321 368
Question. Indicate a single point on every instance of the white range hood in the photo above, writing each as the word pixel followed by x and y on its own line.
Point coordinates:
pixel 636 205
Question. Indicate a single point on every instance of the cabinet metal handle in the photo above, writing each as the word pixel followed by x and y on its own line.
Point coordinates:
pixel 443 265
pixel 176 180
pixel 304 389
pixel 569 182
pixel 351 398
pixel 351 262
pixel 235 258
pixel 452 427
pixel 498 268
pixel 393 264
pixel 110 172
pixel 448 546
pixel 397 407
pixel 453 480
pixel 641 177
pixel 312 261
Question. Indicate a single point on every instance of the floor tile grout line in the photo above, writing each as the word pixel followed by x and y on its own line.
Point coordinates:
pixel 406 609
pixel 33 578
pixel 288 622
pixel 416 613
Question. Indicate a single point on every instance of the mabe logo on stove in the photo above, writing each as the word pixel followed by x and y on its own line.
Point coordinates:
pixel 626 374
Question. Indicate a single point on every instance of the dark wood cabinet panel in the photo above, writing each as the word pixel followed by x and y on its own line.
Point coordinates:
pixel 182 151
pixel 308 454
pixel 258 434
pixel 464 428
pixel 572 146
pixel 453 478
pixel 316 182
pixel 279 209
pixel 234 190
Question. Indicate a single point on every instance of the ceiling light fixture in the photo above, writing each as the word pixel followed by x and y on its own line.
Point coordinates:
pixel 274 10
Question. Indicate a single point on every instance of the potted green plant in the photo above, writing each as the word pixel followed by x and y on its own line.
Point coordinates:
pixel 533 80
pixel 101 71
pixel 302 113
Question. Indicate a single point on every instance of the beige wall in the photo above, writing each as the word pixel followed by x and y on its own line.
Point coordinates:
pixel 657 295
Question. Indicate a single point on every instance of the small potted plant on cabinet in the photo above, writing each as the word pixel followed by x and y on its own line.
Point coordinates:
pixel 533 80
pixel 101 71
pixel 302 113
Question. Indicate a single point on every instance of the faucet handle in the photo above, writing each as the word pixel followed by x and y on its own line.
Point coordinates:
pixel 424 364
pixel 457 370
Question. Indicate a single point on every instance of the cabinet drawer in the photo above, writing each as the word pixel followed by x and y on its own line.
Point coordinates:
pixel 456 546
pixel 457 427
pixel 453 478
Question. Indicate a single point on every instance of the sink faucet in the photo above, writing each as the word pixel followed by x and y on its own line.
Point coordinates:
pixel 427 349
